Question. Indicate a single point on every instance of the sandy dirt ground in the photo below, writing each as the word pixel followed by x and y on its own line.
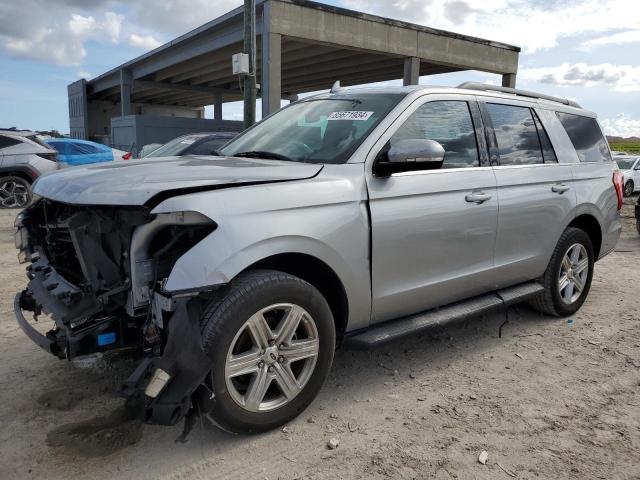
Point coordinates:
pixel 548 400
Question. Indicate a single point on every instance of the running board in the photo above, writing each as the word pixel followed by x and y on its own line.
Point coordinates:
pixel 402 327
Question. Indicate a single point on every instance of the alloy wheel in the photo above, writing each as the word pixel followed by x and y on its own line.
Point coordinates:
pixel 13 194
pixel 574 272
pixel 272 357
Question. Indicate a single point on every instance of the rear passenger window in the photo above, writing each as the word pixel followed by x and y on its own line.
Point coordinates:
pixel 586 136
pixel 516 134
pixel 448 123
pixel 548 154
pixel 8 141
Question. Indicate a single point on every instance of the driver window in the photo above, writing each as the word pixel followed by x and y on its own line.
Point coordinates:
pixel 449 123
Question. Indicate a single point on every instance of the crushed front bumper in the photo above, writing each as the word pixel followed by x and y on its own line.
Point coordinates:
pixel 47 342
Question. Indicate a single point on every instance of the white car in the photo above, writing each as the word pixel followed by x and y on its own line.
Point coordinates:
pixel 630 167
pixel 23 158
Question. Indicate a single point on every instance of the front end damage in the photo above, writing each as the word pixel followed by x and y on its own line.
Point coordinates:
pixel 98 272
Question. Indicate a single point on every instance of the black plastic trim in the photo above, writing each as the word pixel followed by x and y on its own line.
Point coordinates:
pixel 48 344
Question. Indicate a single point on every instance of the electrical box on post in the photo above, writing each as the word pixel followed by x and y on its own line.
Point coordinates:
pixel 240 63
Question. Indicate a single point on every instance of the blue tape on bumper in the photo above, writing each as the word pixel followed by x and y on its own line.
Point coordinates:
pixel 106 339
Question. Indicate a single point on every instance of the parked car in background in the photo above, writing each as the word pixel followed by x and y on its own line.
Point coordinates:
pixel 72 151
pixel 630 167
pixel 192 144
pixel 23 158
pixel 147 149
pixel 360 215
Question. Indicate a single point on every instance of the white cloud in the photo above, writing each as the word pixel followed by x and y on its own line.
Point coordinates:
pixel 631 36
pixel 175 17
pixel 88 27
pixel 146 42
pixel 622 78
pixel 57 31
pixel 532 25
pixel 83 74
pixel 621 126
pixel 61 43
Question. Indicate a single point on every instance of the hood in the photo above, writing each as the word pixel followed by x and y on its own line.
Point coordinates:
pixel 135 182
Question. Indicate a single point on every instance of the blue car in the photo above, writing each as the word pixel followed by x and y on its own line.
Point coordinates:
pixel 82 152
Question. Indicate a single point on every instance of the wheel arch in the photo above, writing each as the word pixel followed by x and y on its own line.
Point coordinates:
pixel 590 225
pixel 317 273
pixel 23 173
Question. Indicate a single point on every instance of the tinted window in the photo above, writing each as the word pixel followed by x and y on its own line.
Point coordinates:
pixel 446 122
pixel 516 134
pixel 175 147
pixel 548 154
pixel 625 164
pixel 586 136
pixel 8 141
pixel 208 147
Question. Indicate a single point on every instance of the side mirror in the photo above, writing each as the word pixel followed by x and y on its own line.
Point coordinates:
pixel 412 155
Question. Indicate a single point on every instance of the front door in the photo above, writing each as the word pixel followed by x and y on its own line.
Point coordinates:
pixel 433 232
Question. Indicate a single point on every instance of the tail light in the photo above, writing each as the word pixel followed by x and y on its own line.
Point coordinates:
pixel 618 183
pixel 126 156
pixel 49 156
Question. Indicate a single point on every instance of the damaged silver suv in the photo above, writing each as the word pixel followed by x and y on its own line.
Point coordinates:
pixel 356 216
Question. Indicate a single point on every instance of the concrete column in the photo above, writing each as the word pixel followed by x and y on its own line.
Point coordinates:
pixel 126 87
pixel 411 71
pixel 217 106
pixel 509 80
pixel 271 84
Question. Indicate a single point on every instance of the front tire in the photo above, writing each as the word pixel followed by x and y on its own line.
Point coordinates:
pixel 15 192
pixel 567 279
pixel 628 188
pixel 270 337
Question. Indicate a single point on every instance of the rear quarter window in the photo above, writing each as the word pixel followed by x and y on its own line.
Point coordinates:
pixel 586 137
pixel 6 142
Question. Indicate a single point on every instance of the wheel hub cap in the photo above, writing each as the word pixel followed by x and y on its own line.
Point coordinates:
pixel 272 357
pixel 574 272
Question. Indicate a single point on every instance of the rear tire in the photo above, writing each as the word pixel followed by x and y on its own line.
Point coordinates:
pixel 15 192
pixel 567 279
pixel 628 188
pixel 271 338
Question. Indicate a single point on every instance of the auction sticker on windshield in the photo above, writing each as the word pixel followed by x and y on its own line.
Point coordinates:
pixel 361 116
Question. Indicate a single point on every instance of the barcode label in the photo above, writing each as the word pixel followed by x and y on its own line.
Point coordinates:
pixel 359 116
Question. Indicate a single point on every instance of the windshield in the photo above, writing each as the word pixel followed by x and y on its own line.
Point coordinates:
pixel 174 147
pixel 626 164
pixel 324 130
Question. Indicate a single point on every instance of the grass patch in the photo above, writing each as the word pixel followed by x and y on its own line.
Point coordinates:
pixel 629 147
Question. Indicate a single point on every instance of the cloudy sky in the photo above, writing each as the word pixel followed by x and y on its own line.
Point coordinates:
pixel 585 50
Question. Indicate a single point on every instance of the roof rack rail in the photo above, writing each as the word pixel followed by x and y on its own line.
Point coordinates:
pixel 515 91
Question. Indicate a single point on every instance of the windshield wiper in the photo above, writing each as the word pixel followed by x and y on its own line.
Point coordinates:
pixel 263 154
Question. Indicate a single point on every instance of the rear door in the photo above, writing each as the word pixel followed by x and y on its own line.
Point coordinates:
pixel 535 190
pixel 433 231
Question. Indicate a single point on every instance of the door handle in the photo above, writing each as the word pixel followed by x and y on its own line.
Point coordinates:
pixel 560 188
pixel 477 197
